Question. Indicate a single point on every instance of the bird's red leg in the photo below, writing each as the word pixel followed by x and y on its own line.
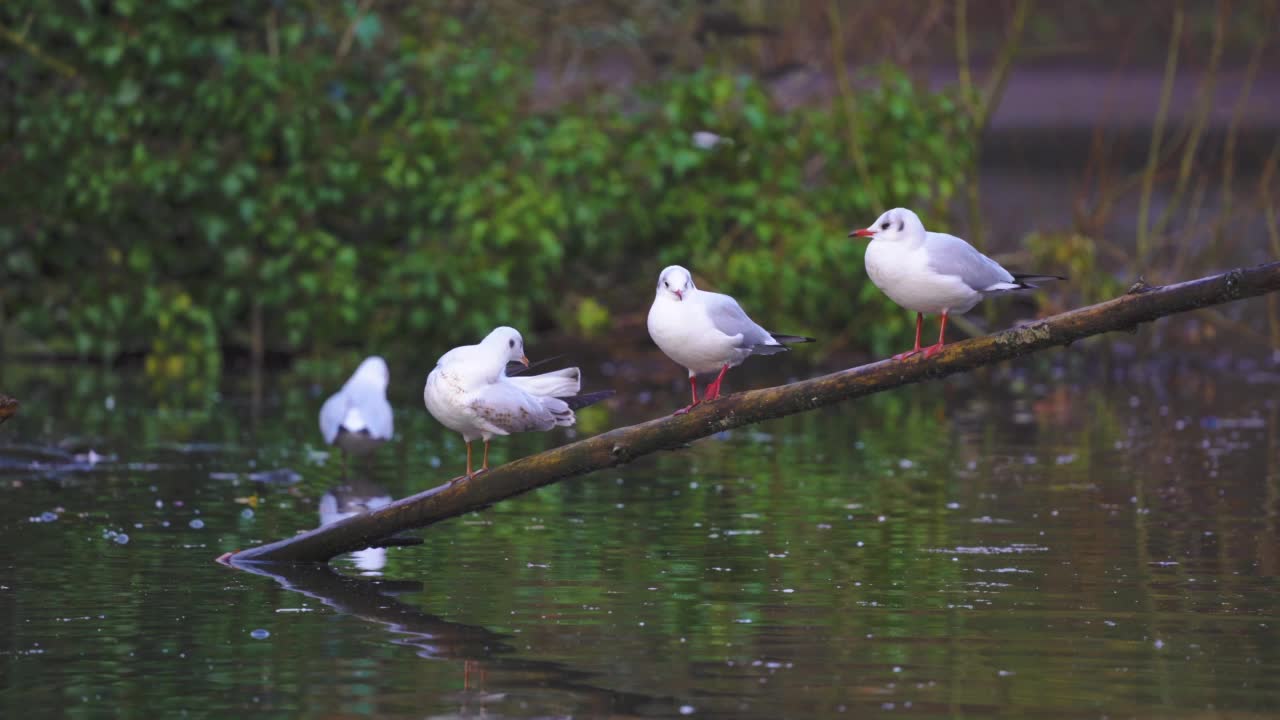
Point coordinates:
pixel 942 332
pixel 713 391
pixel 485 465
pixel 916 349
pixel 693 385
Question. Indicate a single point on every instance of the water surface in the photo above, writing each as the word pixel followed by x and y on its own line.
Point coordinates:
pixel 1070 535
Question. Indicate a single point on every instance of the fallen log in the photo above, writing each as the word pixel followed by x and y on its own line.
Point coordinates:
pixel 1141 304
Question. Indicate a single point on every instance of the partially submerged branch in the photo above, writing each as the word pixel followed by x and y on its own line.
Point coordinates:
pixel 1141 304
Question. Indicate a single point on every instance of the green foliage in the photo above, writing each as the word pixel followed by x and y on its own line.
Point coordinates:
pixel 393 187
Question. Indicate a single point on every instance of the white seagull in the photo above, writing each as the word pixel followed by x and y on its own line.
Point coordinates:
pixel 357 418
pixel 706 332
pixel 470 392
pixel 932 272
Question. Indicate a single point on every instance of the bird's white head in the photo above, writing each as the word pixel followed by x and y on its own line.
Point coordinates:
pixel 894 225
pixel 507 342
pixel 373 371
pixel 676 282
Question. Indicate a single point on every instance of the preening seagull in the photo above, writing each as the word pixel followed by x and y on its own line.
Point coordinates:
pixel 932 272
pixel 470 392
pixel 358 417
pixel 706 332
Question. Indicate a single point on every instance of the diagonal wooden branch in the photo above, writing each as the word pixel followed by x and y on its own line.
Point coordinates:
pixel 1141 304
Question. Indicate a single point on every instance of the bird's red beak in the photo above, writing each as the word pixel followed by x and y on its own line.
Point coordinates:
pixel 865 232
pixel 525 360
pixel 679 294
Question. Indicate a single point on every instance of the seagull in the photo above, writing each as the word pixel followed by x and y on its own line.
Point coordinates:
pixel 357 418
pixel 470 392
pixel 706 332
pixel 932 272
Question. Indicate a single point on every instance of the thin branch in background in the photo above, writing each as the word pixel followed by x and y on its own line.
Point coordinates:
pixel 1097 173
pixel 906 51
pixel 990 97
pixel 1204 104
pixel 273 34
pixel 847 103
pixel 344 45
pixel 1184 253
pixel 965 76
pixel 1269 215
pixel 20 41
pixel 1003 65
pixel 1237 113
pixel 1157 135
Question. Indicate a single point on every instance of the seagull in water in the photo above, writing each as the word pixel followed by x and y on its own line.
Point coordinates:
pixel 470 392
pixel 931 272
pixel 706 332
pixel 357 418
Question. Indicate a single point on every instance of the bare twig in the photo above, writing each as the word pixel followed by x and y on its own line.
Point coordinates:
pixel 847 104
pixel 344 45
pixel 31 49
pixel 991 94
pixel 1200 120
pixel 1157 136
pixel 1237 113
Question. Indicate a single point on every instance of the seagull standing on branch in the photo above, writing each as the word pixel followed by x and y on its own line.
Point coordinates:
pixel 932 272
pixel 357 418
pixel 706 332
pixel 470 392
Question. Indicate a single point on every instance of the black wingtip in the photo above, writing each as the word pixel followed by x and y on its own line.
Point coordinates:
pixel 1026 278
pixel 580 401
pixel 793 339
pixel 515 368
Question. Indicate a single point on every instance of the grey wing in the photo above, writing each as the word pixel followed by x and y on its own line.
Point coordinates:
pixel 950 255
pixel 729 318
pixel 507 409
pixel 331 415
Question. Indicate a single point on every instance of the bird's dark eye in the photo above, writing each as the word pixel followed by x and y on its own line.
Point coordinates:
pixel 900 225
pixel 884 225
pixel 511 344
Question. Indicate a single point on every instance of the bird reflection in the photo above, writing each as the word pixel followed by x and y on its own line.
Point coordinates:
pixel 355 495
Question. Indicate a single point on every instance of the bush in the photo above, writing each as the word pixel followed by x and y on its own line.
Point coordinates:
pixel 400 192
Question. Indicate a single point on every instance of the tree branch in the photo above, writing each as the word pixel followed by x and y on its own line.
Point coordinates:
pixel 1141 304
pixel 34 51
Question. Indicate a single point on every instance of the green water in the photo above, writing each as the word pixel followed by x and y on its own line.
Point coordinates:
pixel 1066 536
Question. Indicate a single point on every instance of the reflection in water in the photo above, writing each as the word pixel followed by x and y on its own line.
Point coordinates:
pixel 355 495
pixel 1037 540
pixel 482 651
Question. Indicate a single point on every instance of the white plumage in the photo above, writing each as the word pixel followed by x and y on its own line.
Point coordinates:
pixel 704 331
pixel 932 272
pixel 358 417
pixel 470 392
